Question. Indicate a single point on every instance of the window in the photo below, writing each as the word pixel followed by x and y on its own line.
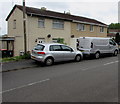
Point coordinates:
pixel 91 28
pixel 101 29
pixel 55 48
pixel 81 27
pixel 59 24
pixel 41 22
pixel 66 48
pixel 55 40
pixel 58 40
pixel 14 24
pixel 39 47
pixel 112 42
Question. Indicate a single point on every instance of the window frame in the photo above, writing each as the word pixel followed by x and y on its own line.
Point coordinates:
pixel 14 24
pixel 80 26
pixel 51 46
pixel 91 28
pixel 58 24
pixel 41 22
pixel 101 29
pixel 70 49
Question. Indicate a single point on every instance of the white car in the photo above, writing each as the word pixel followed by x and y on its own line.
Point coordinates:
pixel 48 53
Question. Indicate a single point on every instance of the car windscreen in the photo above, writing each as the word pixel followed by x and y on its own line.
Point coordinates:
pixel 39 47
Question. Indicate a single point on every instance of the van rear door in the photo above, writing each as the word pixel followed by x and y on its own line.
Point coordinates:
pixel 84 43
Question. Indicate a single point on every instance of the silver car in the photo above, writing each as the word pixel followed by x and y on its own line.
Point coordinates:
pixel 48 53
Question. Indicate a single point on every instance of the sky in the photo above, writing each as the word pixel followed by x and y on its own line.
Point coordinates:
pixel 105 11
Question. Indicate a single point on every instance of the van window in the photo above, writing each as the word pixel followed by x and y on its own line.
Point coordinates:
pixel 112 42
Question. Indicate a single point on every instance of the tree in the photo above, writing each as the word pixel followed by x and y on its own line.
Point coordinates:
pixel 114 26
pixel 117 38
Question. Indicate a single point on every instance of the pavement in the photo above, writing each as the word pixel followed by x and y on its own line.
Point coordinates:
pixel 17 65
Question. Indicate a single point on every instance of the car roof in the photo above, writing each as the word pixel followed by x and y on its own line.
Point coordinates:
pixel 50 44
pixel 94 38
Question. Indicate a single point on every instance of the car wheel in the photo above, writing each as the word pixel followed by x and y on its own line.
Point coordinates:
pixel 49 61
pixel 97 55
pixel 115 53
pixel 78 58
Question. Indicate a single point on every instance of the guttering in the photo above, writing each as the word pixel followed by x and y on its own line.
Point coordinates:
pixel 89 23
pixel 31 14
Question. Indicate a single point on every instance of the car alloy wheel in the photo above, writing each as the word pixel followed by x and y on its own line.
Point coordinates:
pixel 115 53
pixel 49 61
pixel 78 58
pixel 97 55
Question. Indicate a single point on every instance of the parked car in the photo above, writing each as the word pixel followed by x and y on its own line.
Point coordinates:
pixel 48 53
pixel 97 46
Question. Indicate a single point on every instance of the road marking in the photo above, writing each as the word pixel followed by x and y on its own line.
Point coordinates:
pixel 30 84
pixel 84 69
pixel 111 63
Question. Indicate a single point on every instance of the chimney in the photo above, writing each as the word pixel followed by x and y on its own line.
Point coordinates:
pixel 43 8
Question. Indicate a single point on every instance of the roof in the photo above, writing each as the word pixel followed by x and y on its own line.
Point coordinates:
pixel 111 35
pixel 52 14
pixel 114 30
pixel 7 38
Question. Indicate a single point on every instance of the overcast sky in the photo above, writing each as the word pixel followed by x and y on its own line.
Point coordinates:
pixel 105 11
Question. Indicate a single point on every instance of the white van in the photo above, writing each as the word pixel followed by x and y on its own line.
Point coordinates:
pixel 97 46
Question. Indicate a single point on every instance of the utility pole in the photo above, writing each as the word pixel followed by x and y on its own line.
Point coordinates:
pixel 24 27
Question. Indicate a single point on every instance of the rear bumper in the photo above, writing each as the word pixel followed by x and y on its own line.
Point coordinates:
pixel 37 58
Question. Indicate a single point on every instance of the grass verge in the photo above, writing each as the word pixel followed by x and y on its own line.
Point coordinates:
pixel 16 58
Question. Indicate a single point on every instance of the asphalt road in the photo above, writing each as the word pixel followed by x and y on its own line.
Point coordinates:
pixel 93 80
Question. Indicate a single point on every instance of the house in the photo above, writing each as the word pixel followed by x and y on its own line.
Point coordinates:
pixel 112 32
pixel 43 25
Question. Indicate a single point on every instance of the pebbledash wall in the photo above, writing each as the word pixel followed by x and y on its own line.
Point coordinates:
pixel 36 34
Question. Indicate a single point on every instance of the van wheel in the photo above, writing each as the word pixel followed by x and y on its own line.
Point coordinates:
pixel 49 61
pixel 115 53
pixel 97 55
pixel 78 58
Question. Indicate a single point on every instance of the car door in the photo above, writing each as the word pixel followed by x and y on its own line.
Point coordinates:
pixel 112 46
pixel 69 53
pixel 57 52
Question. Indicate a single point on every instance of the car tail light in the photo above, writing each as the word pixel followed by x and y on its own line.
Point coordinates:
pixel 41 53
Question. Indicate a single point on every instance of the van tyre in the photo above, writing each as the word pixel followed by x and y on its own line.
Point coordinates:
pixel 49 61
pixel 115 53
pixel 97 55
pixel 78 58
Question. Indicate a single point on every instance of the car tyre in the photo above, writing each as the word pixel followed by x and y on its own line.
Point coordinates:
pixel 78 58
pixel 49 61
pixel 97 55
pixel 115 53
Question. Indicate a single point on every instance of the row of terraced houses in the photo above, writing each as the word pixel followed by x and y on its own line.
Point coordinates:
pixel 43 25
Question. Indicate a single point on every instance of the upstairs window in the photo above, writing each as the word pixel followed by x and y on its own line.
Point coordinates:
pixel 81 27
pixel 101 29
pixel 59 24
pixel 91 28
pixel 14 24
pixel 41 22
